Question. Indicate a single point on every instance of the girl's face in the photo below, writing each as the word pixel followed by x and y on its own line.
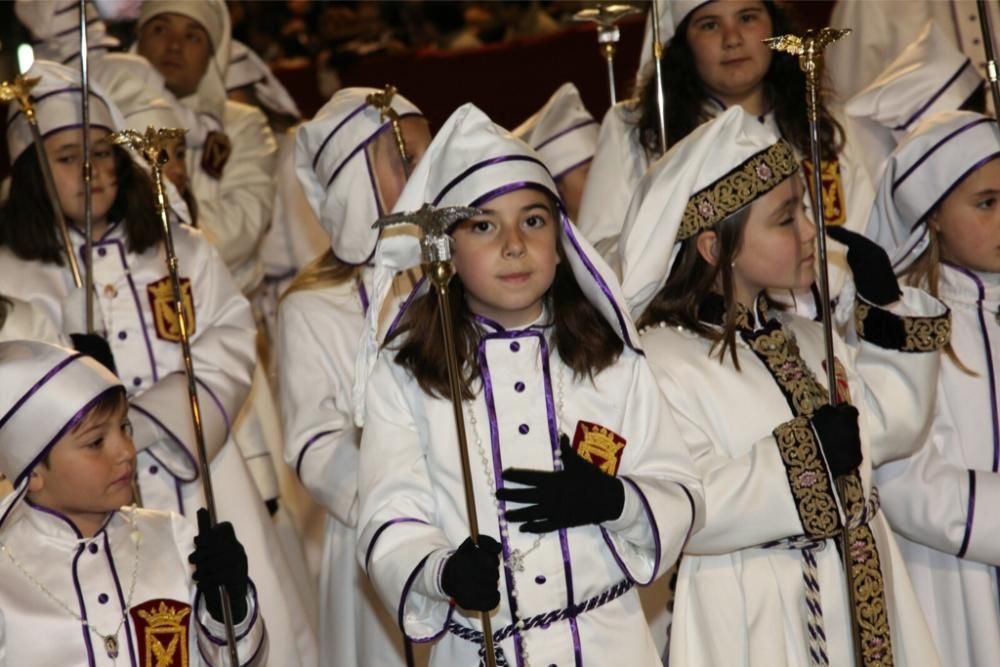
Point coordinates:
pixel 777 249
pixel 507 257
pixel 968 221
pixel 89 471
pixel 729 55
pixel 175 169
pixel 389 173
pixel 65 154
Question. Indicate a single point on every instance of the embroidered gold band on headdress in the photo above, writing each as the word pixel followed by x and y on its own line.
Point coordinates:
pixel 755 177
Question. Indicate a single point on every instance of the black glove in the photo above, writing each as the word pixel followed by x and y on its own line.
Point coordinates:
pixel 577 495
pixel 219 560
pixel 471 575
pixel 837 428
pixel 95 346
pixel 870 265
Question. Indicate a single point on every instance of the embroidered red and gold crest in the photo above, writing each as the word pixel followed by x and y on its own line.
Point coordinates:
pixel 598 445
pixel 217 150
pixel 161 302
pixel 834 207
pixel 161 627
pixel 843 387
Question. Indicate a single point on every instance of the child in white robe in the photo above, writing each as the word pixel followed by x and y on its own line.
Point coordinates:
pixel 567 434
pixel 716 226
pixel 938 214
pixel 351 172
pixel 84 580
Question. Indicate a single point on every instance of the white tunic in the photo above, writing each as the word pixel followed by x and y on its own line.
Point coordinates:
pixel 319 330
pixel 26 322
pixel 92 577
pixel 738 603
pixel 620 161
pixel 943 501
pixel 130 291
pixel 413 510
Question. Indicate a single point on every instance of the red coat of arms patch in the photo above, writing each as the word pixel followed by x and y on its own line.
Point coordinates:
pixel 599 445
pixel 161 628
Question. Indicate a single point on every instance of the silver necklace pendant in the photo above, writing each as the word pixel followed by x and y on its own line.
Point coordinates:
pixel 111 646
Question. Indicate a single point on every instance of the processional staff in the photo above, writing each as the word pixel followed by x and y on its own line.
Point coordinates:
pixel 152 147
pixel 606 17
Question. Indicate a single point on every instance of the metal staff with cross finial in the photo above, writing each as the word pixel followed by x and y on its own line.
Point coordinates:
pixel 435 251
pixel 810 48
pixel 20 91
pixel 382 101
pixel 607 16
pixel 153 147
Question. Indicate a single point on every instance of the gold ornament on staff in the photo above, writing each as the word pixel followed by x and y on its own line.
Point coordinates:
pixel 810 48
pixel 382 101
pixel 607 16
pixel 153 147
pixel 20 90
pixel 435 250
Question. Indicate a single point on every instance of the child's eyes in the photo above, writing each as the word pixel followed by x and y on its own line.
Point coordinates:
pixel 127 427
pixel 708 25
pixel 66 159
pixel 480 226
pixel 749 17
pixel 985 204
pixel 96 444
pixel 535 221
pixel 193 38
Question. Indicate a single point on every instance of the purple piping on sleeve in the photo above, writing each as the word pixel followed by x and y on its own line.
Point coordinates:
pixel 38 385
pixel 970 514
pixel 583 123
pixel 406 304
pixel 570 168
pixel 481 165
pixel 218 404
pixel 179 492
pixel 221 641
pixel 930 151
pixel 568 233
pixel 127 625
pixel 83 608
pixel 183 447
pixel 656 536
pixel 939 93
pixel 381 529
pixel 305 448
pixel 402 606
pixel 69 425
pixel 362 296
pixel 557 465
pixel 484 369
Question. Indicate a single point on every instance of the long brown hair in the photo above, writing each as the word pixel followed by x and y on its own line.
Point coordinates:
pixel 925 273
pixel 324 271
pixel 27 221
pixel 692 280
pixel 585 341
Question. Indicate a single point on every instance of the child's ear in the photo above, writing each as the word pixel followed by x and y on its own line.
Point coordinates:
pixel 36 482
pixel 708 246
pixel 933 222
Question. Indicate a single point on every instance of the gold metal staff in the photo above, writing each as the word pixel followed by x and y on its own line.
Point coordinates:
pixel 88 206
pixel 435 249
pixel 152 147
pixel 991 63
pixel 661 103
pixel 20 90
pixel 382 101
pixel 809 49
pixel 606 16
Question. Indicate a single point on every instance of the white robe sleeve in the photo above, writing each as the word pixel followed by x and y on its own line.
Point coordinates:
pixel 397 535
pixel 663 491
pixel 931 500
pixel 28 322
pixel 617 166
pixel 223 351
pixel 235 211
pixel 748 500
pixel 321 440
pixel 898 358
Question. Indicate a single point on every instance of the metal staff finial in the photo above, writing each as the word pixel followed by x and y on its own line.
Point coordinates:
pixel 20 91
pixel 435 246
pixel 991 63
pixel 810 49
pixel 606 16
pixel 382 101
pixel 152 145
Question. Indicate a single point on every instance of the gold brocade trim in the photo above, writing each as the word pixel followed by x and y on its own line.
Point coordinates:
pixel 780 353
pixel 919 334
pixel 755 177
pixel 807 478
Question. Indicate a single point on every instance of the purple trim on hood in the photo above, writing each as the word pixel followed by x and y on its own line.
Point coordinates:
pixel 322 146
pixel 569 129
pixel 38 385
pixel 930 151
pixel 958 181
pixel 481 165
pixel 926 105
